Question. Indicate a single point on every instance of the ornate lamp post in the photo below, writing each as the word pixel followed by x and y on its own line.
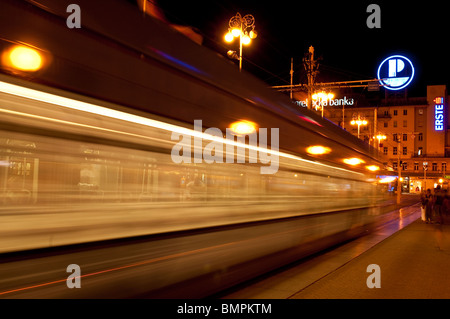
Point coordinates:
pixel 321 98
pixel 380 137
pixel 244 28
pixel 358 121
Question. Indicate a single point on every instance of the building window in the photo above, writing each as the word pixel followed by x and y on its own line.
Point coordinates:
pixel 420 111
pixel 385 150
pixel 434 167
pixel 416 166
pixel 405 112
pixel 394 165
pixel 405 150
pixel 419 152
pixel 386 113
pixel 385 124
pixel 444 167
pixel 405 137
pixel 395 112
pixel 395 123
pixel 394 150
pixel 405 123
pixel 405 166
pixel 420 137
pixel 395 137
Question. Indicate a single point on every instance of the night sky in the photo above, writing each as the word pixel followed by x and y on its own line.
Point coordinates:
pixel 336 29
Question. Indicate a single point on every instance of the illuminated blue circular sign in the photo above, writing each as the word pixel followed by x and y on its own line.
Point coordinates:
pixel 395 72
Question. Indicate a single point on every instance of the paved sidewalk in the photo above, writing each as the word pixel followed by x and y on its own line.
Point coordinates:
pixel 414 263
pixel 288 283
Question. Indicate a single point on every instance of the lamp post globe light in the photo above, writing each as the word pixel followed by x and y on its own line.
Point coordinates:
pixel 321 99
pixel 358 121
pixel 380 137
pixel 244 28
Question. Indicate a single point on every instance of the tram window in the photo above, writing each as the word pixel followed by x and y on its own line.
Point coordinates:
pixel 20 168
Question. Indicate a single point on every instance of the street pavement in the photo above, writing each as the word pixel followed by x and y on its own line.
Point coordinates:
pixel 413 263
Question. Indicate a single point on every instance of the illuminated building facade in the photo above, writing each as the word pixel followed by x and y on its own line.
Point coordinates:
pixel 416 131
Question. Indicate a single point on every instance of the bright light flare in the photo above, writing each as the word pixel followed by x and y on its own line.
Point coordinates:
pixel 236 32
pixel 246 40
pixel 229 37
pixel 322 96
pixel 23 58
pixel 318 150
pixel 380 137
pixel 353 161
pixel 373 168
pixel 387 179
pixel 243 127
pixel 358 122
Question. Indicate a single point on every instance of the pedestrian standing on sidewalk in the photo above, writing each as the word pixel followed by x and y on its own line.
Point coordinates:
pixel 438 200
pixel 423 206
pixel 428 201
pixel 445 207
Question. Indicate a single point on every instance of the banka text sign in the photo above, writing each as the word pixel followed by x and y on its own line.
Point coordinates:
pixel 325 102
pixel 439 114
pixel 395 72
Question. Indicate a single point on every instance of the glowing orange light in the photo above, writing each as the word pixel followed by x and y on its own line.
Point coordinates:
pixel 229 37
pixel 353 161
pixel 236 32
pixel 243 127
pixel 246 40
pixel 358 122
pixel 318 150
pixel 387 179
pixel 24 58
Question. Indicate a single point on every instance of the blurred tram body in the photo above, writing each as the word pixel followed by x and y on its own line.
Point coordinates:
pixel 73 173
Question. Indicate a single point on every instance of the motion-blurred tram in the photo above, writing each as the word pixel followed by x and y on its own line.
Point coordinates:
pixel 86 153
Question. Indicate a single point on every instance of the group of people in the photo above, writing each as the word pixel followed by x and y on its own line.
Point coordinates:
pixel 435 206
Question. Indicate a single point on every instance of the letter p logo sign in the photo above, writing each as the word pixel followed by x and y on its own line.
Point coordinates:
pixel 395 65
pixel 395 72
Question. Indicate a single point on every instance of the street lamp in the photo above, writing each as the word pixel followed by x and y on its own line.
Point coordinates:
pixel 425 168
pixel 244 28
pixel 322 97
pixel 380 137
pixel 358 121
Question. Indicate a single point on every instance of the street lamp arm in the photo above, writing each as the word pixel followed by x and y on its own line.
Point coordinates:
pixel 244 28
